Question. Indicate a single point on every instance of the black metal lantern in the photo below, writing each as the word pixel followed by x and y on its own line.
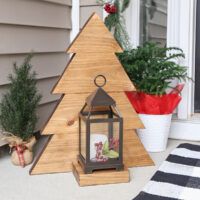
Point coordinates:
pixel 100 132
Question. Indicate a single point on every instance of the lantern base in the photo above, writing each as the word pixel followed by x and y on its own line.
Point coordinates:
pixel 89 169
pixel 99 177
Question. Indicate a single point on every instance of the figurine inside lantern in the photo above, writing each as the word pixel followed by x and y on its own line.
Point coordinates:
pixel 100 132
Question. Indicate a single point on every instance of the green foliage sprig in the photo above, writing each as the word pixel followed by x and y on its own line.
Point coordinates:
pixel 152 68
pixel 115 21
pixel 18 106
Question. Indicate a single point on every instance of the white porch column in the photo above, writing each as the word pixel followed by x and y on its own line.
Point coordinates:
pixel 75 13
pixel 181 33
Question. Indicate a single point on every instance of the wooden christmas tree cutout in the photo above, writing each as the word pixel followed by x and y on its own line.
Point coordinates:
pixel 94 49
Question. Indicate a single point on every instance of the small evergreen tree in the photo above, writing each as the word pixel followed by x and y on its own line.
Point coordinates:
pixel 18 106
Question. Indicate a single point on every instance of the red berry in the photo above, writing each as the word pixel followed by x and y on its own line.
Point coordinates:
pixel 107 7
pixel 113 9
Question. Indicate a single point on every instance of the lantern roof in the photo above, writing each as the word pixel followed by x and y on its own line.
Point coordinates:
pixel 100 98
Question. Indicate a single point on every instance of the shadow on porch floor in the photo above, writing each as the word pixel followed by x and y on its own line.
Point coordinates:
pixel 17 184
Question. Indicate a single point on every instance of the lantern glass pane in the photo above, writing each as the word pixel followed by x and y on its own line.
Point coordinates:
pixel 104 141
pixel 83 139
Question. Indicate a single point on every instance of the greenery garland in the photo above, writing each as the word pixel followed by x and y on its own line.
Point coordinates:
pixel 115 21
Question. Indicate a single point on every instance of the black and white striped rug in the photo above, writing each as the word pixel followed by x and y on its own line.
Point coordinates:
pixel 177 178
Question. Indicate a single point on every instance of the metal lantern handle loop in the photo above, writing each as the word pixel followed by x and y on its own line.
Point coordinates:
pixel 100 76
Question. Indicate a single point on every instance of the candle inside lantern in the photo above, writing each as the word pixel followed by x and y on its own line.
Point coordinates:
pixel 96 145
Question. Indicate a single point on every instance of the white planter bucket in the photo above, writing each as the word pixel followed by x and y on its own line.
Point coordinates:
pixel 155 135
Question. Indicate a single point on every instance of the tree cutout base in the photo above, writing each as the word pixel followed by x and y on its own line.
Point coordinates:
pixel 94 53
pixel 101 177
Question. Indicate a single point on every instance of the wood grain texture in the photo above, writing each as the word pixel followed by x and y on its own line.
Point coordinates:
pixel 99 177
pixel 79 75
pixel 70 106
pixel 134 153
pixel 94 38
pixel 58 155
pixel 62 150
pixel 94 48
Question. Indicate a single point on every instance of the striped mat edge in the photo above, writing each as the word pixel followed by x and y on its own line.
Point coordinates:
pixel 178 177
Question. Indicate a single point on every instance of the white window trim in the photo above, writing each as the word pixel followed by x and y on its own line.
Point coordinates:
pixel 181 33
pixel 132 16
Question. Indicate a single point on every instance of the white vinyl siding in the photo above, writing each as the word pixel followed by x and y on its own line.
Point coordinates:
pixel 153 21
pixel 87 7
pixel 35 13
pixel 158 24
pixel 41 26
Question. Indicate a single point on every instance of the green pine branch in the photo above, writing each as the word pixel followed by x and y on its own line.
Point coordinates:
pixel 18 106
pixel 115 22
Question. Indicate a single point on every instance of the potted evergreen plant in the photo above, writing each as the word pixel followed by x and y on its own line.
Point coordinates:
pixel 153 71
pixel 18 113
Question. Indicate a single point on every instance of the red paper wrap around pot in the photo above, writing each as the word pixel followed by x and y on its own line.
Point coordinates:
pixel 153 104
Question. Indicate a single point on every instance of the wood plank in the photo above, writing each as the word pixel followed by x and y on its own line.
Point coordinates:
pixel 62 150
pixel 95 38
pixel 67 110
pixel 99 177
pixel 35 13
pixel 135 154
pixel 45 64
pixel 58 156
pixel 63 147
pixel 70 106
pixel 83 69
pixel 21 39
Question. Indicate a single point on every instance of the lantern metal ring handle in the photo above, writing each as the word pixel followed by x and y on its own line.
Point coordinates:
pixel 100 76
